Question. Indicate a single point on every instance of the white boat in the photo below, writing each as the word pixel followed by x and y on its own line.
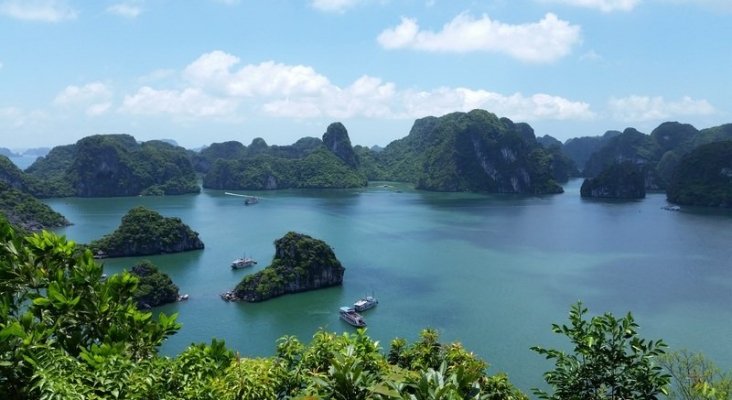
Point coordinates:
pixel 248 200
pixel 243 262
pixel 350 315
pixel 365 303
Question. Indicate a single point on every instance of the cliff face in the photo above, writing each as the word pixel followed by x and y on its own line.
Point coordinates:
pixel 477 151
pixel 146 232
pixel 301 263
pixel 337 141
pixel 619 181
pixel 114 165
pixel 704 177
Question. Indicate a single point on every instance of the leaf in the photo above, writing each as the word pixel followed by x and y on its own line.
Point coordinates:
pixel 13 330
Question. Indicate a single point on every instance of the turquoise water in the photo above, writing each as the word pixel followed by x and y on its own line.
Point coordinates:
pixel 493 272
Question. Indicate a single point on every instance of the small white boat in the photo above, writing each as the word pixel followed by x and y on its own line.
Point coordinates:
pixel 350 315
pixel 365 303
pixel 243 262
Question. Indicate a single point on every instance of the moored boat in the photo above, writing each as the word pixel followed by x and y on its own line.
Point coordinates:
pixel 243 262
pixel 350 315
pixel 365 303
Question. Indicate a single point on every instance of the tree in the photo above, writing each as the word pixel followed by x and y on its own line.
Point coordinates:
pixel 609 361
pixel 695 377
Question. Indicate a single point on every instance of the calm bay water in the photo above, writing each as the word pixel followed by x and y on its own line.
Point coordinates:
pixel 493 272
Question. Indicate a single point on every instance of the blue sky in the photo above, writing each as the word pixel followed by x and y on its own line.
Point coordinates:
pixel 203 71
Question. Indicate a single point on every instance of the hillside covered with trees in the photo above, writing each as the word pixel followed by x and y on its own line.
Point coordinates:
pixel 309 163
pixel 114 165
pixel 475 151
pixel 145 232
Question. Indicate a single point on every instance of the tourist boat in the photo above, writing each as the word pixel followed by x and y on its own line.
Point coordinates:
pixel 350 315
pixel 243 262
pixel 365 303
pixel 248 200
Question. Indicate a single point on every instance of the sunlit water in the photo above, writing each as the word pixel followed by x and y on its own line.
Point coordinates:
pixel 493 272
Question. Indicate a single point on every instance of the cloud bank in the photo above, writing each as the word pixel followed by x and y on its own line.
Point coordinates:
pixel 546 40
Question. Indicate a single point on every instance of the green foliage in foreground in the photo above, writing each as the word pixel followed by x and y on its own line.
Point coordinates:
pixel 609 361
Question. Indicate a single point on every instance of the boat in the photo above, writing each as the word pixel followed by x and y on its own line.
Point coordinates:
pixel 248 200
pixel 365 303
pixel 243 262
pixel 350 315
pixel 671 208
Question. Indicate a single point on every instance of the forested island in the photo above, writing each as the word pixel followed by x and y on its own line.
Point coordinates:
pixel 155 287
pixel 300 263
pixel 145 232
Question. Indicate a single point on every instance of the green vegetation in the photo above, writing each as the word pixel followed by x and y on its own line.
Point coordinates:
pixel 618 181
pixel 114 165
pixel 474 151
pixel 609 361
pixel 580 149
pixel 319 169
pixel 309 163
pixel 145 232
pixel 704 177
pixel 22 209
pixel 26 212
pixel 300 263
pixel 155 288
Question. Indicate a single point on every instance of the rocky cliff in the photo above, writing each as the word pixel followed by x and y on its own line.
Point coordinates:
pixel 337 141
pixel 704 177
pixel 474 151
pixel 619 181
pixel 145 232
pixel 301 263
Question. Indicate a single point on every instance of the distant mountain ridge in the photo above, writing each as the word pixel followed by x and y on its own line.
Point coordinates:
pixel 114 165
pixel 474 151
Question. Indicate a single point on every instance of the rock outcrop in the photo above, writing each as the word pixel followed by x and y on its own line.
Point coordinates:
pixel 619 181
pixel 337 141
pixel 301 263
pixel 704 177
pixel 155 288
pixel 145 232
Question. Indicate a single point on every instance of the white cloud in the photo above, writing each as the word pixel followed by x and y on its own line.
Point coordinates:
pixel 602 5
pixel 14 117
pixel 188 103
pixel 38 10
pixel 333 5
pixel 1 65
pixel 544 41
pixel 94 97
pixel 127 10
pixel 515 106
pixel 644 108
pixel 217 86
pixel 214 72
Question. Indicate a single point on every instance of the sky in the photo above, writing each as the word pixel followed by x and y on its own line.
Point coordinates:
pixel 205 71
